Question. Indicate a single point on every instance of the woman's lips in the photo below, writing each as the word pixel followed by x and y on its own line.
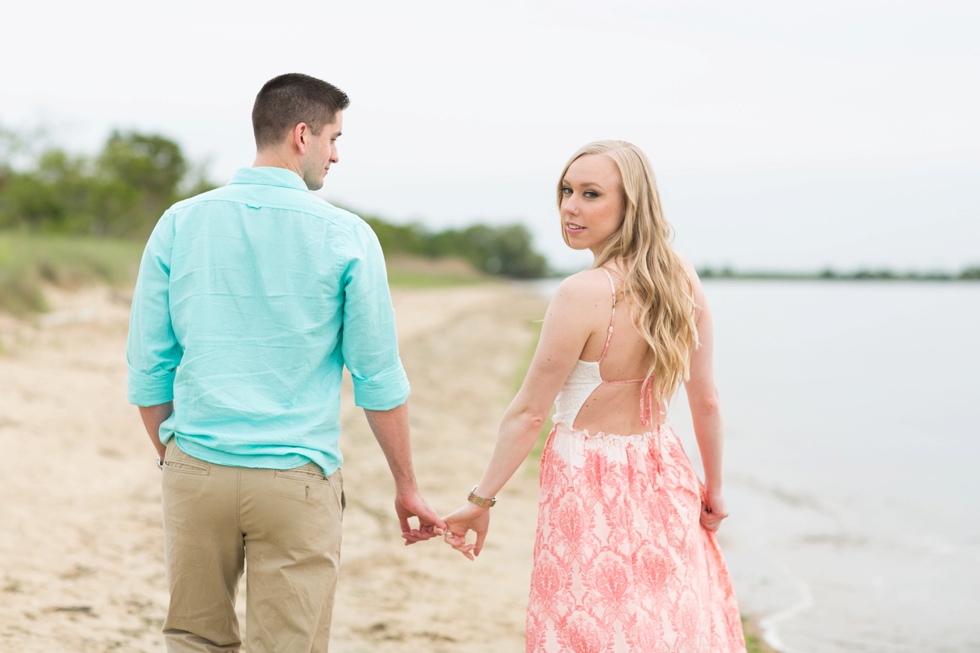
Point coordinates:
pixel 573 228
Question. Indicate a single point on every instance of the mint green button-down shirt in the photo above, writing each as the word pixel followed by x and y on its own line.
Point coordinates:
pixel 250 301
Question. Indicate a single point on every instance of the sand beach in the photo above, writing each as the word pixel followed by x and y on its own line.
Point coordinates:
pixel 81 547
pixel 826 561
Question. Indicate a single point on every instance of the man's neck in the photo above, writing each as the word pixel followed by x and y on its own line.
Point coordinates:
pixel 275 159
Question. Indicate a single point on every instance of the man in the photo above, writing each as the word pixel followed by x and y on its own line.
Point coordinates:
pixel 250 300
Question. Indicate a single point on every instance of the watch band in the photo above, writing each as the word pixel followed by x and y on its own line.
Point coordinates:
pixel 480 501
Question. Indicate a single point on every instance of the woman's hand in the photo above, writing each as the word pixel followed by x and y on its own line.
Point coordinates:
pixel 713 510
pixel 468 518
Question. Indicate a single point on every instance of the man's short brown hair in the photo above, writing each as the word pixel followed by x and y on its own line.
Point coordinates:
pixel 287 100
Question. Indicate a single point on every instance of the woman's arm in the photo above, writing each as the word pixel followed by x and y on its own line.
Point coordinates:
pixel 568 324
pixel 702 395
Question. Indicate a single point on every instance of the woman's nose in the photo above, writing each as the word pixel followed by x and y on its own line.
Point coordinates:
pixel 569 205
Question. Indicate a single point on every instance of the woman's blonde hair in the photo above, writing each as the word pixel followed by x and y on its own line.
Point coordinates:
pixel 656 284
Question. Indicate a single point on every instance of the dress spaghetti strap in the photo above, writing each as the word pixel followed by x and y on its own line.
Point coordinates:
pixel 647 402
pixel 612 318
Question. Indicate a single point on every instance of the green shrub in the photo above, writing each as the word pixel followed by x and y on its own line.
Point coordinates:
pixel 121 192
pixel 503 250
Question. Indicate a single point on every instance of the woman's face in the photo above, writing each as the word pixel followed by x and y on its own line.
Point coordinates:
pixel 592 207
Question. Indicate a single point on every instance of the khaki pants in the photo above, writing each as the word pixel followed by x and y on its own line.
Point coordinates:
pixel 285 523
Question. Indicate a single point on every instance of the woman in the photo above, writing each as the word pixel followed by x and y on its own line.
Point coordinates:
pixel 625 557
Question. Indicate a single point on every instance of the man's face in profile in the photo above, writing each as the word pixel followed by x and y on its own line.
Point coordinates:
pixel 321 152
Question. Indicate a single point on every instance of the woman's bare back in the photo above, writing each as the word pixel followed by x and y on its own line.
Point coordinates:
pixel 623 357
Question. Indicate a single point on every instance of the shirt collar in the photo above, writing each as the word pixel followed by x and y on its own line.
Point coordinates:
pixel 269 177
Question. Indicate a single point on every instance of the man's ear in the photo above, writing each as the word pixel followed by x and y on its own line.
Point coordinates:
pixel 301 137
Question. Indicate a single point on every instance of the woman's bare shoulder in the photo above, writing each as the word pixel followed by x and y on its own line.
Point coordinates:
pixel 585 289
pixel 579 308
pixel 692 273
pixel 697 290
pixel 688 267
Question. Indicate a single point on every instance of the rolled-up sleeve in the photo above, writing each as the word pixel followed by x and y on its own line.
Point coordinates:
pixel 370 343
pixel 152 351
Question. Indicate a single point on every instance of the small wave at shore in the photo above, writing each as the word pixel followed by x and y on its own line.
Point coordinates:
pixel 770 624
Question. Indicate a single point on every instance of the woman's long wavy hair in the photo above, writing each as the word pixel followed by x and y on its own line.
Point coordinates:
pixel 656 285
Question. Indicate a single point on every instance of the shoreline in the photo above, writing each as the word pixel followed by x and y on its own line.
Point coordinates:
pixel 755 641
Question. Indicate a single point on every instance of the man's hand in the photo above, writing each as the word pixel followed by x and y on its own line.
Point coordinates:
pixel 153 417
pixel 413 505
pixel 468 518
pixel 390 427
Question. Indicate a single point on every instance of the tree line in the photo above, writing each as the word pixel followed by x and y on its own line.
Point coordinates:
pixel 122 191
pixel 504 250
pixel 971 273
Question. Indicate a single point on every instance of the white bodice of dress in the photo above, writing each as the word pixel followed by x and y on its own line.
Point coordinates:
pixel 581 382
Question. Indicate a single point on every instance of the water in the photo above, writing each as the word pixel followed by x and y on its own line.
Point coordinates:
pixel 852 465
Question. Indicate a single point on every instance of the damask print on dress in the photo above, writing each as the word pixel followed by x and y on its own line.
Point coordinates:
pixel 621 561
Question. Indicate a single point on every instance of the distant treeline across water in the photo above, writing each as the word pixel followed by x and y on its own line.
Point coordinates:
pixel 967 274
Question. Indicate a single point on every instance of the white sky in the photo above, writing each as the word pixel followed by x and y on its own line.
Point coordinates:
pixel 784 135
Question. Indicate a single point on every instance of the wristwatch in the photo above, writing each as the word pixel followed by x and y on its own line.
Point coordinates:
pixel 480 501
pixel 159 463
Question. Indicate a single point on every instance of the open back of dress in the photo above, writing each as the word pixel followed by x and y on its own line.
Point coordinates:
pixel 606 395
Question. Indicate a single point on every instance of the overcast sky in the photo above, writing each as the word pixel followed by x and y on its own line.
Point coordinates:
pixel 783 135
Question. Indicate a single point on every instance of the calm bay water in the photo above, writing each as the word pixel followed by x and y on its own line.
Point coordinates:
pixel 852 465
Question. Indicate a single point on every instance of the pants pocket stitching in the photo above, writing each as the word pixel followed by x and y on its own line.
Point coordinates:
pixel 183 467
pixel 305 476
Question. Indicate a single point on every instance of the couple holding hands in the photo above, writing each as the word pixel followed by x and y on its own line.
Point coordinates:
pixel 252 298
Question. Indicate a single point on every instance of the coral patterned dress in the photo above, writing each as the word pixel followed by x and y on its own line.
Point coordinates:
pixel 621 561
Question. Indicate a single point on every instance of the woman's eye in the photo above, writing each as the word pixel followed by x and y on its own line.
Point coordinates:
pixel 591 194
pixel 566 190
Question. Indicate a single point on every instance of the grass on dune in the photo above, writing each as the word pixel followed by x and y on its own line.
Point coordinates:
pixel 28 261
pixel 402 279
pixel 418 272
